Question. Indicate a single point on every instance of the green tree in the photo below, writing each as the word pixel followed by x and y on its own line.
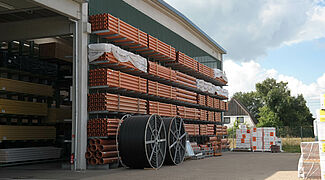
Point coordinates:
pixel 273 105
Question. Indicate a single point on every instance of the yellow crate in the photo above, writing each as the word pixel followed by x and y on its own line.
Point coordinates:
pixel 8 106
pixel 25 87
pixel 8 132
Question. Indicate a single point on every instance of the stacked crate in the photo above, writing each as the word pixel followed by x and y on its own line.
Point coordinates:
pixel 243 139
pixel 269 138
pixel 257 139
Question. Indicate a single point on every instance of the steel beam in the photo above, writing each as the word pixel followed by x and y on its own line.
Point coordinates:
pixel 66 8
pixel 35 28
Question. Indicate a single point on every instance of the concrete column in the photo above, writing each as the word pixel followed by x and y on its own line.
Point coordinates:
pixel 80 89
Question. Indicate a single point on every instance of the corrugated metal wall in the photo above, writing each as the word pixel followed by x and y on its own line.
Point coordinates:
pixel 136 18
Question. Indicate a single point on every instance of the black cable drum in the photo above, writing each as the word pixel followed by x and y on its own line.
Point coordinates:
pixel 176 140
pixel 142 141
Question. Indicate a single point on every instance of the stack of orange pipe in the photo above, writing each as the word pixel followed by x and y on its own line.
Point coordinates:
pixel 216 103
pixel 162 51
pixel 226 106
pixel 186 96
pixel 219 130
pixel 209 101
pixel 224 130
pixel 123 32
pixel 204 69
pixel 102 127
pixel 210 129
pixel 222 105
pixel 203 115
pixel 203 129
pixel 162 90
pixel 110 60
pixel 115 102
pixel 185 79
pixel 188 113
pixel 112 78
pixel 210 116
pixel 192 129
pixel 162 109
pixel 201 100
pixel 161 71
pixel 217 116
pixel 186 61
pixel 101 151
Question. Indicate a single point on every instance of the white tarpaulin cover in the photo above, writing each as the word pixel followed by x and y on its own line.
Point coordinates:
pixel 209 87
pixel 219 74
pixel 96 50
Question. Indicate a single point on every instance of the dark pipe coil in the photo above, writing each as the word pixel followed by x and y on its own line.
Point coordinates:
pixel 176 137
pixel 138 145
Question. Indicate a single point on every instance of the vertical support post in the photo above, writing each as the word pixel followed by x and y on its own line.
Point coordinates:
pixel 80 90
pixel 301 132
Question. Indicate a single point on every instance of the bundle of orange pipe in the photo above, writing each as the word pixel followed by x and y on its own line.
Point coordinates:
pixel 185 79
pixel 123 32
pixel 192 129
pixel 219 130
pixel 162 90
pixel 162 109
pixel 112 78
pixel 102 127
pixel 216 103
pixel 203 115
pixel 210 129
pixel 101 151
pixel 201 100
pixel 209 101
pixel 203 129
pixel 162 51
pixel 115 102
pixel 217 116
pixel 210 116
pixel 188 113
pixel 204 69
pixel 161 71
pixel 186 96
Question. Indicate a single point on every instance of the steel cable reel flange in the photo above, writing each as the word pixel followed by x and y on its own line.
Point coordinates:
pixel 142 141
pixel 117 136
pixel 176 140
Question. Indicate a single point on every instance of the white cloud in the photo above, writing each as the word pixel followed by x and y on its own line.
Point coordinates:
pixel 243 77
pixel 247 29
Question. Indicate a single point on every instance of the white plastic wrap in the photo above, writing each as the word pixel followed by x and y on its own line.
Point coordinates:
pixel 309 162
pixel 96 50
pixel 219 74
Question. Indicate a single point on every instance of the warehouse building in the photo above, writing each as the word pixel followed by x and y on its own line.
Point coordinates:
pixel 44 65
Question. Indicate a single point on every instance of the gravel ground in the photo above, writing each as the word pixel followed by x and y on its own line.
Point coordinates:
pixel 232 166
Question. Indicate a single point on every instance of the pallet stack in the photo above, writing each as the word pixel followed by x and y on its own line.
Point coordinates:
pixel 170 75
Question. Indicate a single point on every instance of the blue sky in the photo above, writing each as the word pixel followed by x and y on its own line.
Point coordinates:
pixel 305 60
pixel 281 39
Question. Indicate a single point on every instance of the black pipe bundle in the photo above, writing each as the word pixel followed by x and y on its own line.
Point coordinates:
pixel 176 140
pixel 142 141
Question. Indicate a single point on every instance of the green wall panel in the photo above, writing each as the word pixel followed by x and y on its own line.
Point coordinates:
pixel 127 13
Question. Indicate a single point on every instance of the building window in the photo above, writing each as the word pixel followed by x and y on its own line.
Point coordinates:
pixel 240 119
pixel 226 120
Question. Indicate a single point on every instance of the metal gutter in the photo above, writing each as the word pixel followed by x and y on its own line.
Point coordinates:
pixel 179 14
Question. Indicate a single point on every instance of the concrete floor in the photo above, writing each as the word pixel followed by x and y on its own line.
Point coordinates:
pixel 232 166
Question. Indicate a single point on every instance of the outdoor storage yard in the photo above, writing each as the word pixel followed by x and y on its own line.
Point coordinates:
pixel 235 165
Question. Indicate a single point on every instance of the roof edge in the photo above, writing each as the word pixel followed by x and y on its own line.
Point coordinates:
pixel 190 23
